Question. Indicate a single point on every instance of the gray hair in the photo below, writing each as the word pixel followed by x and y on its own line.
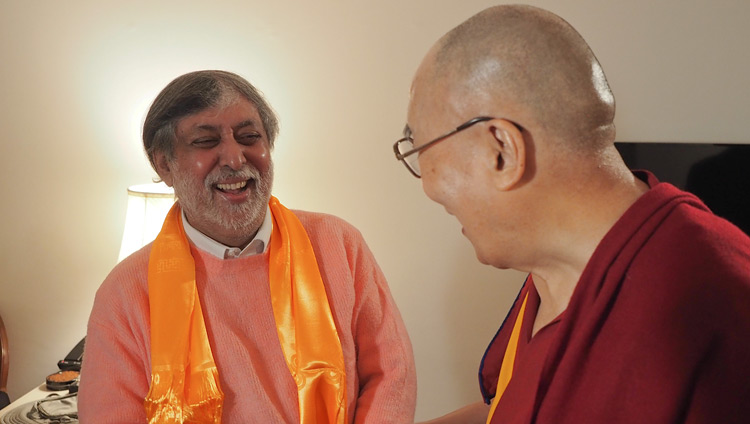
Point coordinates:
pixel 192 93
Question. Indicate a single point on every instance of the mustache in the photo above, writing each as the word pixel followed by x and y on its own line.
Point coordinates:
pixel 247 172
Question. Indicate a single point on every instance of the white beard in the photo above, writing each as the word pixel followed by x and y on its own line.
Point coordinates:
pixel 197 200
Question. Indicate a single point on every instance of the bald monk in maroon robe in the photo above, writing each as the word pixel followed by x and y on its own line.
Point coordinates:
pixel 637 304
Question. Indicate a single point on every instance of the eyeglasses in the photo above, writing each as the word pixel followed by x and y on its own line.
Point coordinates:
pixel 405 151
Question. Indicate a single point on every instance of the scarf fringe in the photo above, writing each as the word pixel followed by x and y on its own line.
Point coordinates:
pixel 167 402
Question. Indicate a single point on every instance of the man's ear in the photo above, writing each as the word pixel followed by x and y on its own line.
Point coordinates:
pixel 510 150
pixel 163 168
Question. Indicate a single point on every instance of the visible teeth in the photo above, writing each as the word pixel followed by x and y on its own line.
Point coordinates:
pixel 235 186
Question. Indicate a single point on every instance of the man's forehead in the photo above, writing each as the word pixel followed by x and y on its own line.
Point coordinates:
pixel 415 105
pixel 431 95
pixel 240 113
pixel 424 101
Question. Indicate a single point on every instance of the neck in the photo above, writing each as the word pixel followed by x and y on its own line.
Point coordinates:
pixel 553 299
pixel 574 223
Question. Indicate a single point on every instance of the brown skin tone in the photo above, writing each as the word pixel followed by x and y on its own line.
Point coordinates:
pixel 538 198
pixel 222 145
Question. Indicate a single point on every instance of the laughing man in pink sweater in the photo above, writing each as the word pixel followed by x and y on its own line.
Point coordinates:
pixel 241 311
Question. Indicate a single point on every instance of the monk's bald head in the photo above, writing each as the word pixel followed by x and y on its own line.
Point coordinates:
pixel 532 65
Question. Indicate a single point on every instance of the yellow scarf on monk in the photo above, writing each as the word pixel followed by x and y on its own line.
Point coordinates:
pixel 509 359
pixel 184 377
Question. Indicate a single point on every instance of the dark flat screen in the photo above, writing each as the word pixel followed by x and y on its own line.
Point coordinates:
pixel 718 174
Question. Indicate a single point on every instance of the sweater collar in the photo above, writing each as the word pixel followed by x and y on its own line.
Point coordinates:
pixel 258 245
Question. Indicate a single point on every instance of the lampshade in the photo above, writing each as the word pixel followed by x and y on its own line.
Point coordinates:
pixel 148 205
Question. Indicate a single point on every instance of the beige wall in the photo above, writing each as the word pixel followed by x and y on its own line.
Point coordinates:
pixel 77 76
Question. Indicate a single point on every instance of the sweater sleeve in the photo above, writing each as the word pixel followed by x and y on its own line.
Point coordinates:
pixel 385 362
pixel 116 366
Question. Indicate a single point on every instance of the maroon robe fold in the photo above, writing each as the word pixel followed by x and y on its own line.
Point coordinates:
pixel 656 331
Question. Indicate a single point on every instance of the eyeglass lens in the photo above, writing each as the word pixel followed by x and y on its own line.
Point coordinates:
pixel 412 161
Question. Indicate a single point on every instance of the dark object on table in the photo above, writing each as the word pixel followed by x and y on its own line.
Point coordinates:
pixel 62 380
pixel 73 359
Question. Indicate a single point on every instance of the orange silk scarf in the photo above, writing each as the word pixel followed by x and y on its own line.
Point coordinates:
pixel 509 358
pixel 304 321
pixel 184 378
pixel 184 381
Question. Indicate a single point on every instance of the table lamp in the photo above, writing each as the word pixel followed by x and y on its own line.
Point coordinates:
pixel 148 205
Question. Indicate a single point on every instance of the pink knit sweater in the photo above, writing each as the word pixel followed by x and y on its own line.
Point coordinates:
pixel 234 293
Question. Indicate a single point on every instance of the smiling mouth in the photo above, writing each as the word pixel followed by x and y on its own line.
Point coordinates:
pixel 233 187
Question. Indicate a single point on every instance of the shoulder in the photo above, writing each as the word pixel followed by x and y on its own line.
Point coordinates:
pixel 696 264
pixel 682 230
pixel 713 248
pixel 335 240
pixel 701 239
pixel 320 224
pixel 126 284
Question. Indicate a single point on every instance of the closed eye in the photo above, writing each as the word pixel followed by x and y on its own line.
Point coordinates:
pixel 205 143
pixel 248 139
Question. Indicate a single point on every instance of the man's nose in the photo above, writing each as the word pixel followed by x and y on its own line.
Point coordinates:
pixel 231 154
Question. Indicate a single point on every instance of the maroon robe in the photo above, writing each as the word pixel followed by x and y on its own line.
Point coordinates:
pixel 657 329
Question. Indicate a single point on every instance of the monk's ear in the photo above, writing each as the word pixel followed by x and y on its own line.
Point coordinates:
pixel 509 150
pixel 163 168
